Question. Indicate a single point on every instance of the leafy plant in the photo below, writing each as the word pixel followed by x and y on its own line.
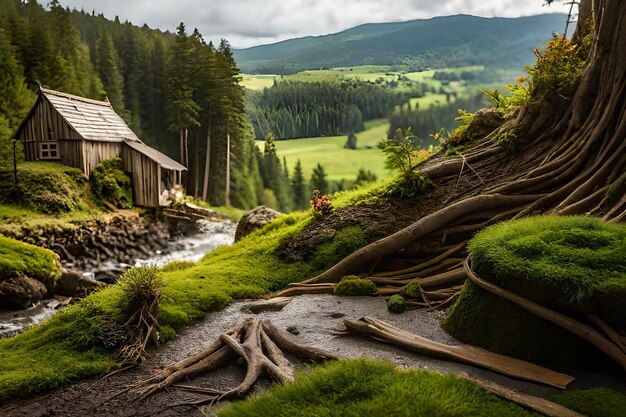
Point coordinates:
pixel 110 184
pixel 400 152
pixel 321 206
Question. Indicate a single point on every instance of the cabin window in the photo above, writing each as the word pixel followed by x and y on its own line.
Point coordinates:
pixel 49 150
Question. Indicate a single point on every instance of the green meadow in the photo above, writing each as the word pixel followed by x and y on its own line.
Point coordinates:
pixel 338 162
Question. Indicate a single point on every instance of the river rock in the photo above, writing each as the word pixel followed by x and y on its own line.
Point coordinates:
pixel 73 284
pixel 253 220
pixel 21 292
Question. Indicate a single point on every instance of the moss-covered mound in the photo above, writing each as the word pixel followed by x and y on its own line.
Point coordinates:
pixel 21 259
pixel 574 265
pixel 355 286
pixel 45 187
pixel 367 388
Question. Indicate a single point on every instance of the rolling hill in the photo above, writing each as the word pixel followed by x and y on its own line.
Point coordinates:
pixel 440 42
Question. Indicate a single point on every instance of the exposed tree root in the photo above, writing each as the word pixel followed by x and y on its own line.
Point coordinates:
pixel 505 365
pixel 257 342
pixel 573 162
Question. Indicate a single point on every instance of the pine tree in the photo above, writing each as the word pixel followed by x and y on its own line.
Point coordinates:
pixel 318 180
pixel 107 64
pixel 298 188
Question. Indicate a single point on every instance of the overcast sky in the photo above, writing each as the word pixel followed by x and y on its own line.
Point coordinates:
pixel 252 22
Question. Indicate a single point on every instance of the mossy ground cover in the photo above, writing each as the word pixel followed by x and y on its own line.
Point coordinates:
pixel 576 265
pixel 48 195
pixel 367 388
pixel 75 343
pixel 595 402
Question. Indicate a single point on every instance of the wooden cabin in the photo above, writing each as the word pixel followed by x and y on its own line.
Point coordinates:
pixel 81 133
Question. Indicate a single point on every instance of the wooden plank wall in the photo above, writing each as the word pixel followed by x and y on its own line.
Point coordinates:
pixel 44 118
pixel 95 152
pixel 145 176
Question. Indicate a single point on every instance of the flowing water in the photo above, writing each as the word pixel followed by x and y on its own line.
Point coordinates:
pixel 209 236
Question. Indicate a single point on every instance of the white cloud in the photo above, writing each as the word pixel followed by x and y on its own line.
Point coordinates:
pixel 252 22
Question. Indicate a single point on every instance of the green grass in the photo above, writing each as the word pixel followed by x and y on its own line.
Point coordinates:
pixel 338 162
pixel 233 213
pixel 257 82
pixel 73 344
pixel 595 402
pixel 21 259
pixel 367 388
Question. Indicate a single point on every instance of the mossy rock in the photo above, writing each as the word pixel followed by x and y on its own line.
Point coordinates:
pixel 19 259
pixel 396 304
pixel 354 286
pixel 27 272
pixel 574 265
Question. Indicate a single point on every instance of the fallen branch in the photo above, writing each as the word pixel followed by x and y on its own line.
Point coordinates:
pixel 461 353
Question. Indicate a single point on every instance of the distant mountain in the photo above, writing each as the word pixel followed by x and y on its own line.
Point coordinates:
pixel 439 42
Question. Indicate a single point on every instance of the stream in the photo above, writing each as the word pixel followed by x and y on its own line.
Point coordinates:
pixel 209 236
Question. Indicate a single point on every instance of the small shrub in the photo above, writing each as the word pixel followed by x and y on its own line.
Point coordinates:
pixel 396 304
pixel 321 206
pixel 110 184
pixel 354 286
pixel 141 292
pixel 558 64
pixel 139 286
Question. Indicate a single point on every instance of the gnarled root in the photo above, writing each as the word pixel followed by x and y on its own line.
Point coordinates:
pixel 256 341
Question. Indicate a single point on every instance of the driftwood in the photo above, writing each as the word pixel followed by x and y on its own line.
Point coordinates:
pixel 472 355
pixel 588 333
pixel 531 402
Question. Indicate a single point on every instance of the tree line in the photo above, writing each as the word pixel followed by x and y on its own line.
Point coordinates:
pixel 297 109
pixel 425 122
pixel 177 92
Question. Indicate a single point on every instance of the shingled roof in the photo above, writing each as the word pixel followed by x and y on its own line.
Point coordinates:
pixel 92 119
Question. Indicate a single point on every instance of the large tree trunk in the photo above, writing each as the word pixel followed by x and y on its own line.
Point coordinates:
pixel 227 196
pixel 575 153
pixel 207 161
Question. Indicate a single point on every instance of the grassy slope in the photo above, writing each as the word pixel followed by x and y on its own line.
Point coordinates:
pixel 367 388
pixel 71 345
pixel 337 161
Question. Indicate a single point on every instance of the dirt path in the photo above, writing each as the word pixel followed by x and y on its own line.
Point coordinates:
pixel 317 318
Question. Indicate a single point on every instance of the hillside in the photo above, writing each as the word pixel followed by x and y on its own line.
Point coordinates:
pixel 418 44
